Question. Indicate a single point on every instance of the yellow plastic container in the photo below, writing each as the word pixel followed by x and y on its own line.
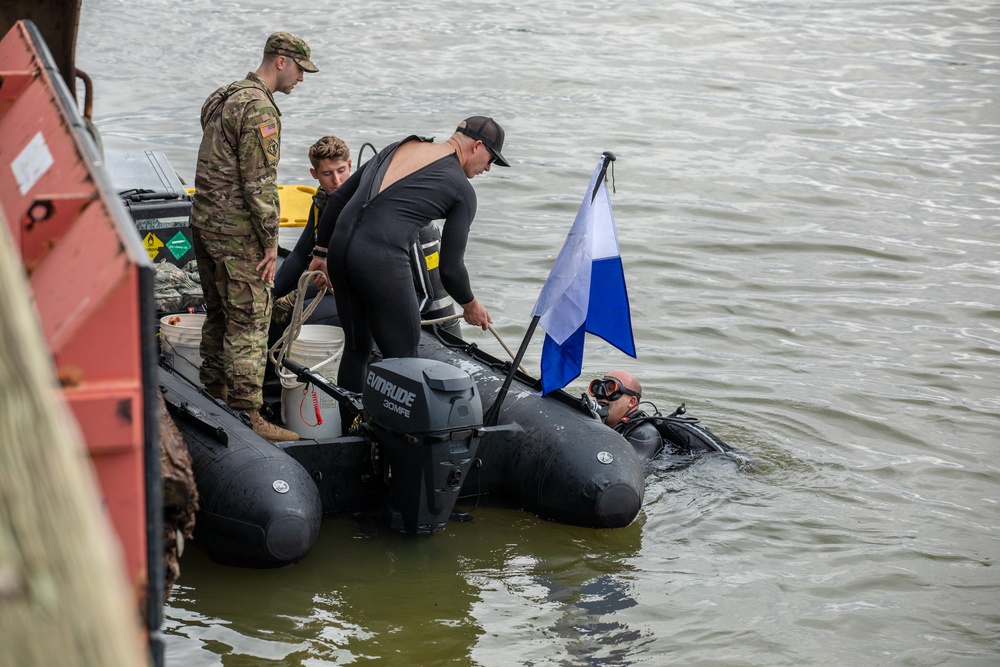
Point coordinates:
pixel 294 202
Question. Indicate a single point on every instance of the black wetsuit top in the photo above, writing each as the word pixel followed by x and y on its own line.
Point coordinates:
pixel 369 235
pixel 298 260
pixel 645 438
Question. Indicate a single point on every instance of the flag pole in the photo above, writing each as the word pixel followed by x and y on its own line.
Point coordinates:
pixel 608 158
pixel 493 413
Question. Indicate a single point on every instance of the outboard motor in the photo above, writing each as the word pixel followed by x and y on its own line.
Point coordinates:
pixel 427 416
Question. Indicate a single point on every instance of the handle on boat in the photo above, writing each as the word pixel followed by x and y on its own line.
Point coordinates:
pixel 349 399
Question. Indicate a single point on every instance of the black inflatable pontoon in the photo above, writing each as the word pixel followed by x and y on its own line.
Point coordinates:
pixel 258 507
pixel 563 465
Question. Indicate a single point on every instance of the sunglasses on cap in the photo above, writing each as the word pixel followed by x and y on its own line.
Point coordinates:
pixel 493 155
pixel 609 389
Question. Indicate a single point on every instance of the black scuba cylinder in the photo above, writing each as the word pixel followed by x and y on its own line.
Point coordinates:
pixel 435 302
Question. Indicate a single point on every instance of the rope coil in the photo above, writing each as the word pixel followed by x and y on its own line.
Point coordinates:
pixel 283 346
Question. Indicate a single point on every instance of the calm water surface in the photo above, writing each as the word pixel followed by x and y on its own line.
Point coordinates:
pixel 807 199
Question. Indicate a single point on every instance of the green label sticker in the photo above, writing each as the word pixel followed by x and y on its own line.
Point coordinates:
pixel 179 245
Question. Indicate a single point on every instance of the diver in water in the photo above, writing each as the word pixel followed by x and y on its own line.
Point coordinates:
pixel 618 394
pixel 615 400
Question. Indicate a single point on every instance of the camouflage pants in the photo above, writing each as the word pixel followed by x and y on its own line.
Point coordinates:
pixel 234 338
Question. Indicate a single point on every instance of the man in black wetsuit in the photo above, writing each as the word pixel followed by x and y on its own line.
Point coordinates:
pixel 371 221
pixel 619 392
pixel 331 166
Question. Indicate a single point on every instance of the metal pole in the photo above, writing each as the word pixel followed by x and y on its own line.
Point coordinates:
pixel 493 414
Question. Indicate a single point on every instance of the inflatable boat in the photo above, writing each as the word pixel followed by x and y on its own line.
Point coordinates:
pixel 418 446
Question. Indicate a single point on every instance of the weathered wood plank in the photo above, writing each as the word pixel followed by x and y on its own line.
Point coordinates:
pixel 63 596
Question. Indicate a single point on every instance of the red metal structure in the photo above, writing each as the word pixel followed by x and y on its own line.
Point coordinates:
pixel 92 283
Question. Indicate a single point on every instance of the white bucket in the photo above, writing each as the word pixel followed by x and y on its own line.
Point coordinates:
pixel 180 341
pixel 306 410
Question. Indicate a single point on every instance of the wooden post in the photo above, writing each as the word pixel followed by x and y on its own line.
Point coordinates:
pixel 63 595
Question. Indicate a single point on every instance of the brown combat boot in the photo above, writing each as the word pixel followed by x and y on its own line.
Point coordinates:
pixel 266 429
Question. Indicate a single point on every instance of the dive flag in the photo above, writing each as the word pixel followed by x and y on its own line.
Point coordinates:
pixel 585 291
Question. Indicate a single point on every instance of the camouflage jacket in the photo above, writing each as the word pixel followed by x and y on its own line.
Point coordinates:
pixel 236 190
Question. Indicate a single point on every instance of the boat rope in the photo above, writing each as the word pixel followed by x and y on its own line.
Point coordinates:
pixel 496 335
pixel 300 313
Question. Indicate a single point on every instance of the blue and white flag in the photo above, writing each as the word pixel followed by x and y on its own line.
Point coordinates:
pixel 585 291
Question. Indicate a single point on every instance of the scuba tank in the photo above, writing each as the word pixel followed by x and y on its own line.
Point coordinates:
pixel 681 435
pixel 434 300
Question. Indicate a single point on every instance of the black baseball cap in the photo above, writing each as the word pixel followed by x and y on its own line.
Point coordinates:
pixel 488 131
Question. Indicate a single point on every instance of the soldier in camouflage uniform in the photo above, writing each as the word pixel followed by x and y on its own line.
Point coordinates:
pixel 234 221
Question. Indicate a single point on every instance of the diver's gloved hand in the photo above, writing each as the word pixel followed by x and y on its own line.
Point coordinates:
pixel 596 410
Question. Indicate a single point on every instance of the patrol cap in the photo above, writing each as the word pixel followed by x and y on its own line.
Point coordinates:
pixel 287 44
pixel 488 131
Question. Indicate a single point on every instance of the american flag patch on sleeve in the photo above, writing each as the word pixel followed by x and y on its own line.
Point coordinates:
pixel 267 129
